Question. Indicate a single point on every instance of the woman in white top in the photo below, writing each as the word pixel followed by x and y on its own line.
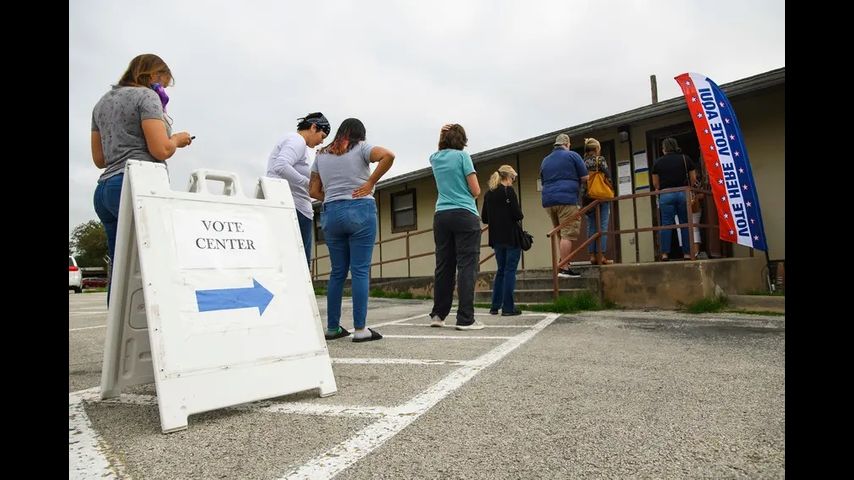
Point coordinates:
pixel 289 161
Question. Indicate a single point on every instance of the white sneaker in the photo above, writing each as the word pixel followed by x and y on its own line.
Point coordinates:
pixel 437 322
pixel 474 326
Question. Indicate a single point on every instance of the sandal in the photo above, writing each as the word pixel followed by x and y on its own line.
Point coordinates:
pixel 664 257
pixel 375 335
pixel 342 332
pixel 605 261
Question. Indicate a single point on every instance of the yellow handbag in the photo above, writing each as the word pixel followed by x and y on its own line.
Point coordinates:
pixel 598 186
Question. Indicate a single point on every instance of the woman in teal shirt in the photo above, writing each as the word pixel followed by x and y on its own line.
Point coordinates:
pixel 456 229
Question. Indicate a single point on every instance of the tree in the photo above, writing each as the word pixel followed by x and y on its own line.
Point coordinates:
pixel 89 240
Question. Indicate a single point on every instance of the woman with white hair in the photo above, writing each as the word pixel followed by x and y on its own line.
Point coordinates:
pixel 502 213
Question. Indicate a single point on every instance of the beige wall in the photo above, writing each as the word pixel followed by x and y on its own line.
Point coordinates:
pixel 762 119
pixel 761 116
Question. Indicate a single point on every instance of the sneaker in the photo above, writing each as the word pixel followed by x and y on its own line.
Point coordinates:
pixel 493 311
pixel 474 326
pixel 568 273
pixel 702 256
pixel 511 314
pixel 437 322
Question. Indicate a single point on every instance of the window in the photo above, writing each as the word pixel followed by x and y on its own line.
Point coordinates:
pixel 403 216
pixel 318 232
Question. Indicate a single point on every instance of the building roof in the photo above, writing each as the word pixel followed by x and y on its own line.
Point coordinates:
pixel 733 89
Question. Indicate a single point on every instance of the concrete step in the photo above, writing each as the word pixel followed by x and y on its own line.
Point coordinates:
pixel 758 303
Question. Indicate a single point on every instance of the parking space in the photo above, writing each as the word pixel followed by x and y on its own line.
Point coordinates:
pixel 537 395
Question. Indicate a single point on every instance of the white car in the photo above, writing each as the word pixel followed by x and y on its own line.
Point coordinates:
pixel 75 276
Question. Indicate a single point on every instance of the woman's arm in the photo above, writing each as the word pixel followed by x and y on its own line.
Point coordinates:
pixel 514 204
pixel 315 187
pixel 160 145
pixel 385 157
pixel 290 152
pixel 484 213
pixel 474 187
pixel 98 150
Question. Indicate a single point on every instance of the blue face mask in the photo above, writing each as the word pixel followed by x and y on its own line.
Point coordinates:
pixel 161 92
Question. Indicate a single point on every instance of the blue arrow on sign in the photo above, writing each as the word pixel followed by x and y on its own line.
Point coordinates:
pixel 228 298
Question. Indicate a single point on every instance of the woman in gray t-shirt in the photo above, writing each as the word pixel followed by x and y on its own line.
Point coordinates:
pixel 341 177
pixel 129 122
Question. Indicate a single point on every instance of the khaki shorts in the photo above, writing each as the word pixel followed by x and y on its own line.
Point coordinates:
pixel 560 214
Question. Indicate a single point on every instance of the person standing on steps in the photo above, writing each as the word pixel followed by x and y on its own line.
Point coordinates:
pixel 562 173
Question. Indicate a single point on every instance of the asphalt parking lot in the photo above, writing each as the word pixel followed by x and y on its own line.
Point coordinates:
pixel 610 394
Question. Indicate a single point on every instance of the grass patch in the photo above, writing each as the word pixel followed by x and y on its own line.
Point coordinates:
pixel 94 290
pixel 380 293
pixel 565 304
pixel 708 305
pixel 319 291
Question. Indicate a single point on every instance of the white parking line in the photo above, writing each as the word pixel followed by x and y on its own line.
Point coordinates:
pixel 397 361
pixel 86 328
pixel 338 458
pixel 86 458
pixel 487 314
pixel 454 326
pixel 449 337
pixel 394 322
pixel 317 409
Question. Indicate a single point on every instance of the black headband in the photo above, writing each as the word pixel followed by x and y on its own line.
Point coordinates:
pixel 320 122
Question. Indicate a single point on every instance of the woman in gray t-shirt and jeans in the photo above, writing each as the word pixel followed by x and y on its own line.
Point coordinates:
pixel 130 123
pixel 341 177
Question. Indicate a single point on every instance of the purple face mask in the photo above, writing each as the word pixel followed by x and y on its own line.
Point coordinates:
pixel 161 92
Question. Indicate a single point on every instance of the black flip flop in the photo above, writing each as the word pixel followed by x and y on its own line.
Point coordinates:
pixel 375 335
pixel 342 332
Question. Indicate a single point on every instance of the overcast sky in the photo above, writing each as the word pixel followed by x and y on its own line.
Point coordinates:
pixel 506 70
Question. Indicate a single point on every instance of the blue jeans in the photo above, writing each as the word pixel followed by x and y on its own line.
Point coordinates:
pixel 507 258
pixel 672 204
pixel 604 215
pixel 107 196
pixel 350 227
pixel 305 229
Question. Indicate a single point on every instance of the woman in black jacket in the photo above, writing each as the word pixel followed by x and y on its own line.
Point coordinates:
pixel 502 213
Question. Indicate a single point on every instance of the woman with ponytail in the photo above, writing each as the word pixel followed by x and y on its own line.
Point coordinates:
pixel 341 178
pixel 501 211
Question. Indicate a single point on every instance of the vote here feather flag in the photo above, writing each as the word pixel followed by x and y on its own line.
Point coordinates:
pixel 725 157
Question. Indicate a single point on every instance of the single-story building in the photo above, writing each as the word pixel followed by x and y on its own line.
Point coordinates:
pixel 631 143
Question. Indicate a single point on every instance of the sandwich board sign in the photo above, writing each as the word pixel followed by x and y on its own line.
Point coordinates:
pixel 211 297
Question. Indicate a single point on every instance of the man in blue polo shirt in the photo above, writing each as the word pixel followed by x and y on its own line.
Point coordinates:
pixel 561 173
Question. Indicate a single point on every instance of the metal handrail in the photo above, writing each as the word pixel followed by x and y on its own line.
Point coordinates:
pixel 558 264
pixel 407 257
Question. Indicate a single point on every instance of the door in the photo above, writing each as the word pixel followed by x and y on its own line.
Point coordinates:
pixel 709 238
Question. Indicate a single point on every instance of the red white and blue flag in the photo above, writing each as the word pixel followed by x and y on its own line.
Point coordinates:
pixel 727 165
